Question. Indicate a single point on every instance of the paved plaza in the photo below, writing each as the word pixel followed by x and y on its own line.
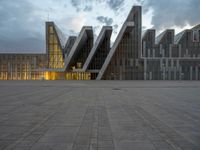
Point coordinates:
pixel 99 115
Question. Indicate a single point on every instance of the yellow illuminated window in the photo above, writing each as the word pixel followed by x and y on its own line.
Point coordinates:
pixel 56 60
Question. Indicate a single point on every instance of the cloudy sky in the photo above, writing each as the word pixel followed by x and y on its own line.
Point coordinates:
pixel 22 25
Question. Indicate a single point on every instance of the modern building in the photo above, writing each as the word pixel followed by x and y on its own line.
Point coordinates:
pixel 131 57
pixel 22 66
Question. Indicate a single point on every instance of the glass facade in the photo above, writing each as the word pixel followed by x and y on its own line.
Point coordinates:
pixel 125 63
pixel 22 66
pixel 55 55
pixel 67 75
pixel 81 55
pixel 100 56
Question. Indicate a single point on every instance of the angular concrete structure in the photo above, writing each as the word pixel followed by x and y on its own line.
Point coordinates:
pixel 99 52
pixel 70 42
pixel 80 49
pixel 171 57
pixel 55 44
pixel 131 57
pixel 122 60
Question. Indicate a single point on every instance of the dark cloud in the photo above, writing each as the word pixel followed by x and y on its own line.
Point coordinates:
pixel 87 8
pixel 173 12
pixel 23 30
pixel 115 4
pixel 84 5
pixel 20 29
pixel 76 4
pixel 105 20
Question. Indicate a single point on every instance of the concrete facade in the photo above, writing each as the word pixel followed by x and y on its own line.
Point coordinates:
pixel 170 57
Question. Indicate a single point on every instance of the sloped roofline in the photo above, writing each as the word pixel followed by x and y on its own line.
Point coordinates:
pixel 68 45
pixel 83 35
pixel 99 40
pixel 162 35
pixel 127 27
pixel 147 31
pixel 181 35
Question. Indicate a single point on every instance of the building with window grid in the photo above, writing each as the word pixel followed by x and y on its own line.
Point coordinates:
pixel 131 57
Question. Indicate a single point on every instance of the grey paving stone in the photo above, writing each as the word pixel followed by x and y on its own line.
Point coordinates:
pixel 57 139
pixel 128 145
pixel 80 147
pixel 52 146
pixel 107 143
pixel 103 115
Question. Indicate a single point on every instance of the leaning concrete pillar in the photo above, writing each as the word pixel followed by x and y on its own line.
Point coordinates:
pixel 196 72
pixel 144 49
pixel 180 73
pixel 167 69
pixel 160 49
pixel 175 74
pixel 178 65
pixel 145 69
pixel 164 73
pixel 187 54
pixel 150 75
pixel 163 52
pixel 161 64
pixel 170 51
pixel 149 53
pixel 170 70
pixel 191 70
pixel 179 50
pixel 154 53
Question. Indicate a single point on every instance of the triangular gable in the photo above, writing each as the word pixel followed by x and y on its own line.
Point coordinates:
pixel 99 50
pixel 115 62
pixel 70 42
pixel 54 47
pixel 81 48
